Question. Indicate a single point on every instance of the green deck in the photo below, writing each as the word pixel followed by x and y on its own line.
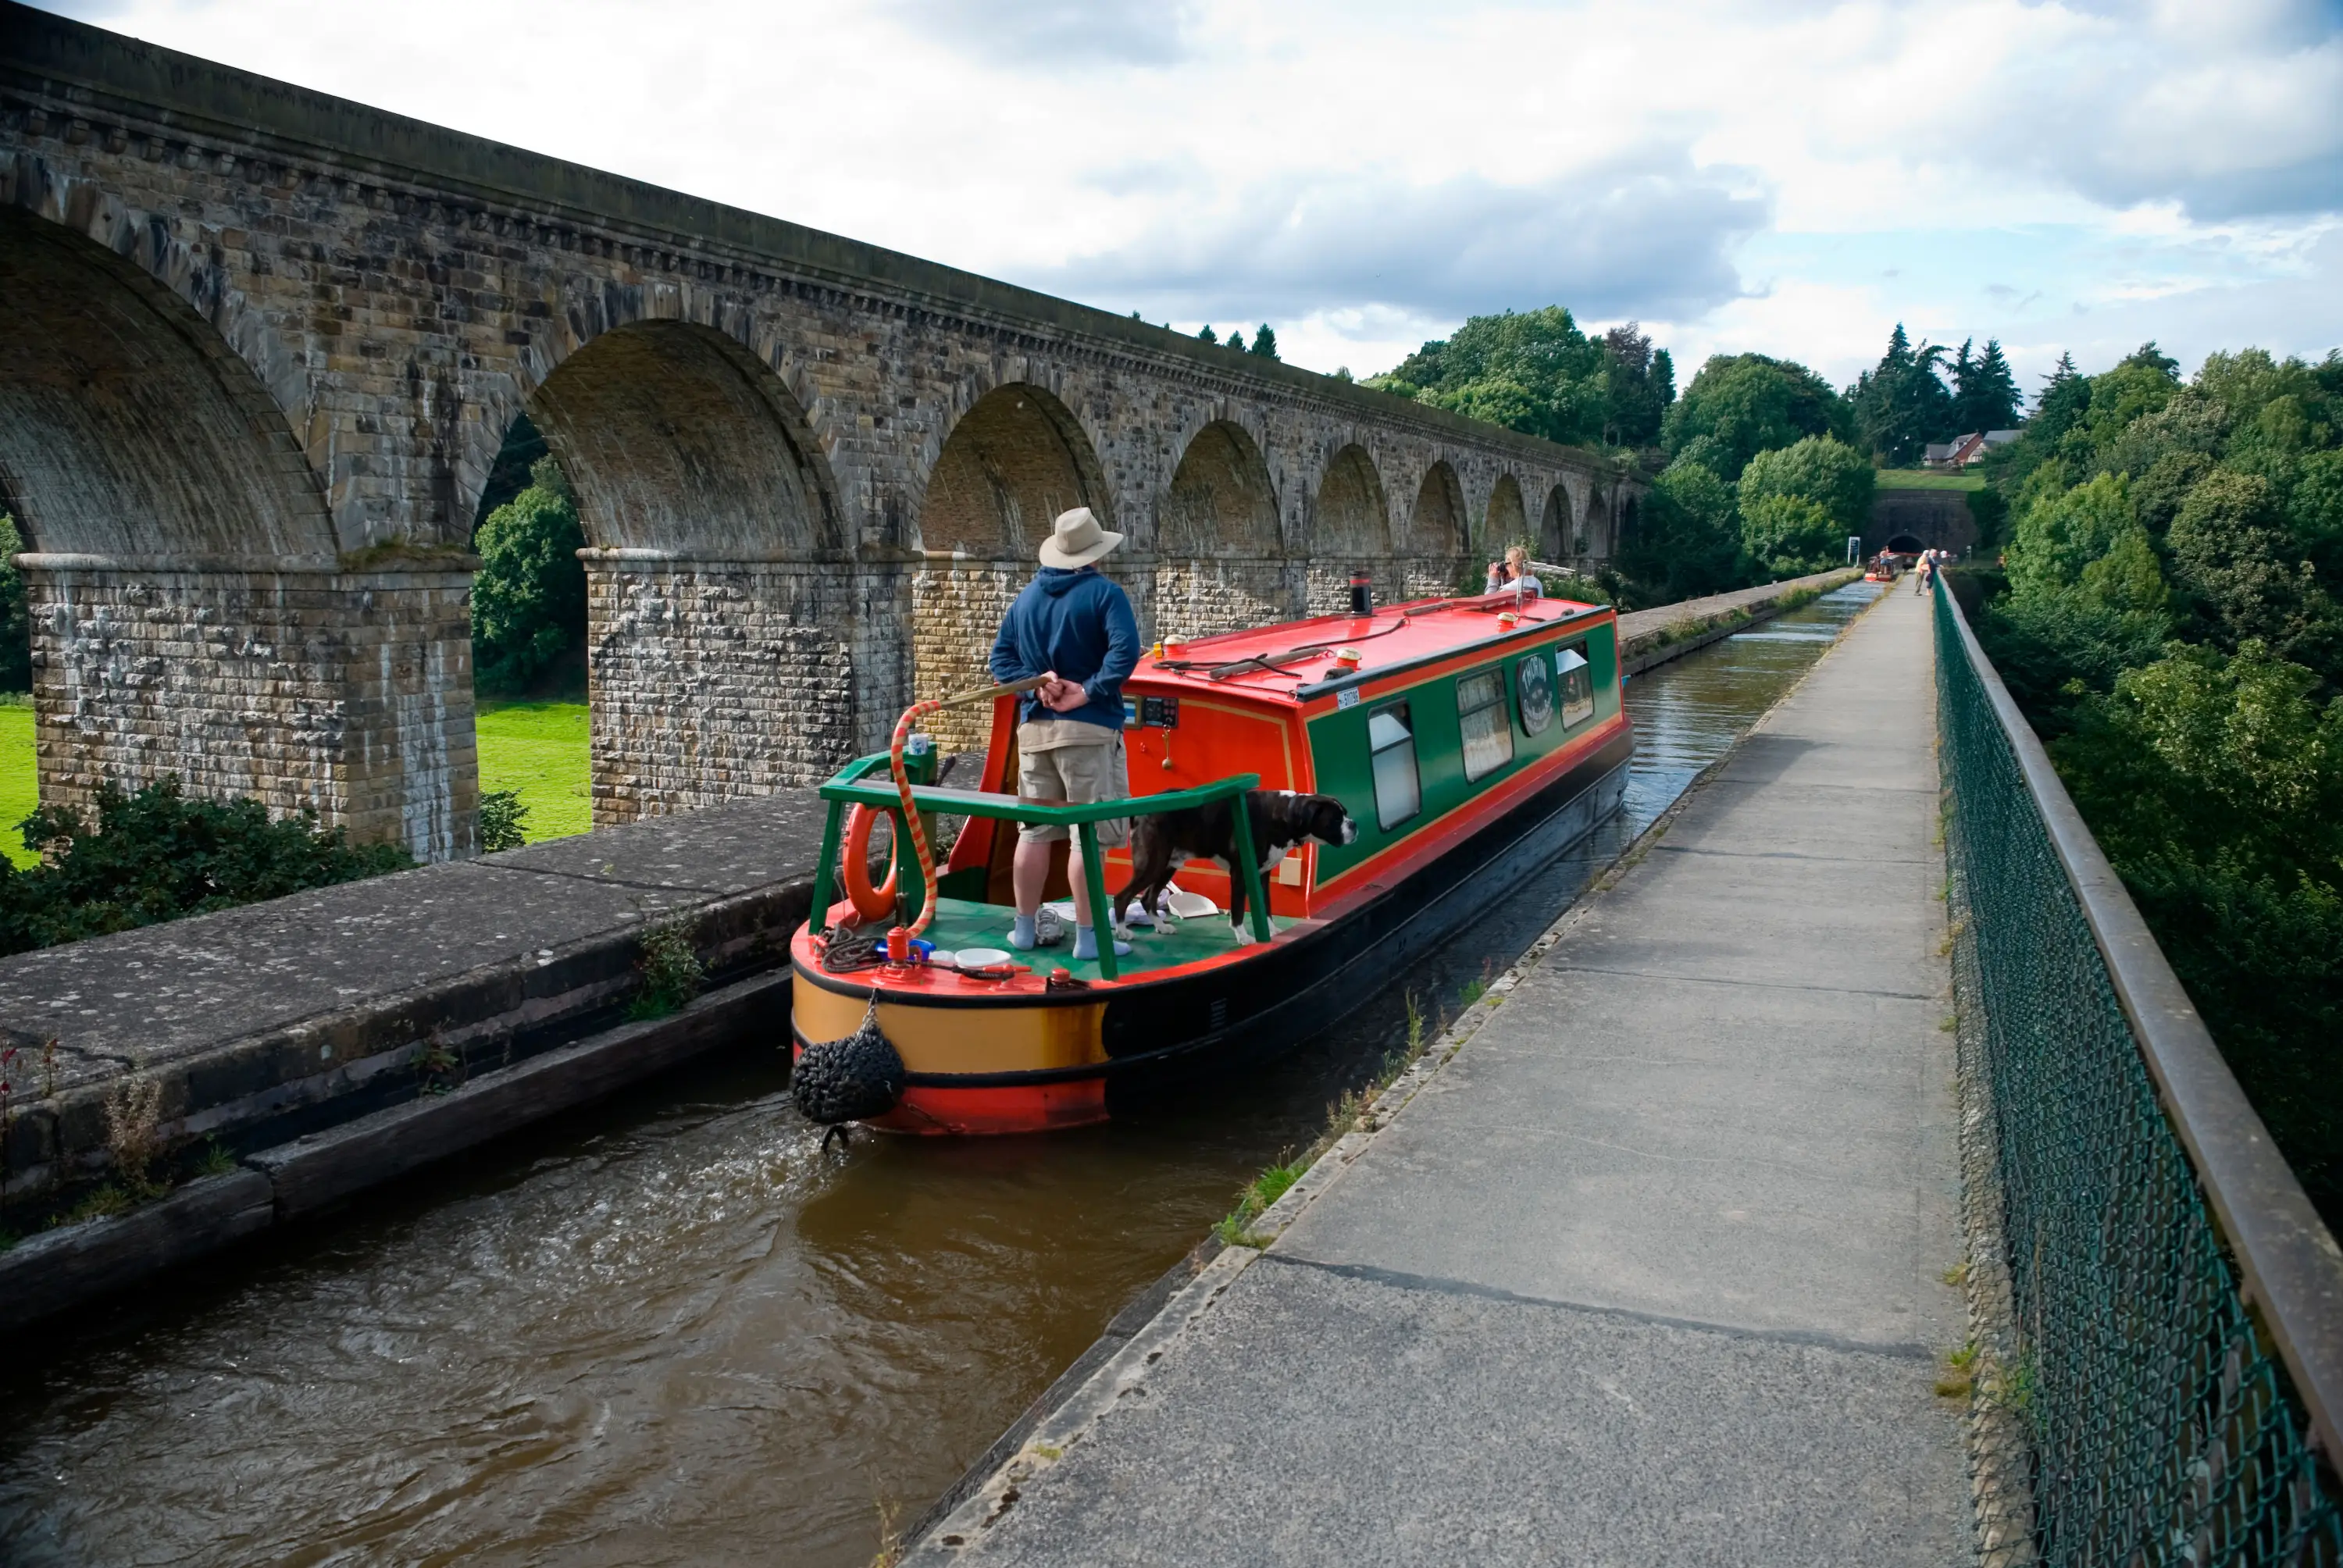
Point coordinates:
pixel 962 923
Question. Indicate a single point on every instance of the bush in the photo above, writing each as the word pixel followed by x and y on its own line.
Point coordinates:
pixel 504 822
pixel 529 602
pixel 157 854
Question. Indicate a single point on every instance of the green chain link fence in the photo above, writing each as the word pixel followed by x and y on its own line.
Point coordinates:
pixel 2161 1425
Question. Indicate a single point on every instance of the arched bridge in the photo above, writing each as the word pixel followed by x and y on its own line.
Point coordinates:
pixel 263 346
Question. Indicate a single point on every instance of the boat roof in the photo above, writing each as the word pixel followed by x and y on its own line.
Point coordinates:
pixel 1296 660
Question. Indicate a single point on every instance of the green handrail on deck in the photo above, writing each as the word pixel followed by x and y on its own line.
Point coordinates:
pixel 852 786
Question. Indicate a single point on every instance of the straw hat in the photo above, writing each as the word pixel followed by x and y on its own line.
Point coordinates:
pixel 1078 540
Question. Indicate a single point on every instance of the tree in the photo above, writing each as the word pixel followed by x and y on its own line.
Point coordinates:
pixel 1236 341
pixel 1746 404
pixel 1823 470
pixel 1264 343
pixel 1901 405
pixel 1639 382
pixel 15 621
pixel 2231 546
pixel 2059 536
pixel 1689 541
pixel 1985 393
pixel 529 602
pixel 1208 334
pixel 1532 371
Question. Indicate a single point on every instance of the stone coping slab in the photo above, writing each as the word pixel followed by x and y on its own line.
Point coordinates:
pixel 279 1017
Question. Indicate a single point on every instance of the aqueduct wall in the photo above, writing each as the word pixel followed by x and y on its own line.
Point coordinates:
pixel 262 345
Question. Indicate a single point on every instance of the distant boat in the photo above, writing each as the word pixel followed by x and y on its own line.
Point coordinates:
pixel 1470 740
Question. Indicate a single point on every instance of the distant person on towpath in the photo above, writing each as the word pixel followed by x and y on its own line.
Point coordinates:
pixel 1074 625
pixel 1923 572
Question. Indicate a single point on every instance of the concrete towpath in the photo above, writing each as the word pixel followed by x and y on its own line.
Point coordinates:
pixel 1651 1270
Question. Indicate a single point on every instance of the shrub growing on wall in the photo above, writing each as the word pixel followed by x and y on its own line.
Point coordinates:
pixel 157 854
pixel 528 603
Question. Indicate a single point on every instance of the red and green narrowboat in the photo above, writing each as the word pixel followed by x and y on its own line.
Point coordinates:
pixel 1470 740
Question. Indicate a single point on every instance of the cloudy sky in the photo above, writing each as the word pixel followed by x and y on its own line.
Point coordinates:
pixel 1792 178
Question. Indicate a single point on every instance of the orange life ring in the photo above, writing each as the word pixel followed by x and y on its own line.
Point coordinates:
pixel 872 903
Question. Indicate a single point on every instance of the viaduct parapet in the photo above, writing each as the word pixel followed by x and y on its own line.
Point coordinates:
pixel 262 345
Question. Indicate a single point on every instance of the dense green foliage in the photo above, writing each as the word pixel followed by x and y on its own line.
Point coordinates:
pixel 2171 627
pixel 1741 405
pixel 1264 343
pixel 1902 404
pixel 16 624
pixel 529 602
pixel 157 854
pixel 1535 372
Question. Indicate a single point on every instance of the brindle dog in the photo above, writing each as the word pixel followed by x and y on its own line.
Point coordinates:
pixel 1282 820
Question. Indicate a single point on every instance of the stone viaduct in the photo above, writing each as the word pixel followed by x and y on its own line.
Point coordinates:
pixel 260 346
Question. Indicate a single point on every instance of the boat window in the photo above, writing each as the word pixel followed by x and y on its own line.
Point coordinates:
pixel 1534 681
pixel 1391 741
pixel 1487 727
pixel 1577 685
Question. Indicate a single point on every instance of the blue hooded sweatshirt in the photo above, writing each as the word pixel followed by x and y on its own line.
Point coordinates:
pixel 1079 624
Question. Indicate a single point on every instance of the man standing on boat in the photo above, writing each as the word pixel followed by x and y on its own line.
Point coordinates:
pixel 1072 624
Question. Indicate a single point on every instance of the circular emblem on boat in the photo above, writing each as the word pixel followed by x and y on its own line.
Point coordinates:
pixel 1535 683
pixel 849 1079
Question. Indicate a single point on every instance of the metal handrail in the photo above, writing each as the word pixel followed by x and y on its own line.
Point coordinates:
pixel 848 787
pixel 2291 1266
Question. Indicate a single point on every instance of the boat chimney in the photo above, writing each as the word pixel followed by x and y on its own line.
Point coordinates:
pixel 1362 594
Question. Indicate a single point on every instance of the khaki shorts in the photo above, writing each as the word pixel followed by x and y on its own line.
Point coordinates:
pixel 1081 774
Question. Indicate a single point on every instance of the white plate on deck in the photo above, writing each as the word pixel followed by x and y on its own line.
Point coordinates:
pixel 980 958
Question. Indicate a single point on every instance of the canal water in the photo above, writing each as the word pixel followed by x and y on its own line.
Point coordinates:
pixel 674 1330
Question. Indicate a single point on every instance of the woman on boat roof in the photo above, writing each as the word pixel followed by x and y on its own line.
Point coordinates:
pixel 1072 624
pixel 1513 572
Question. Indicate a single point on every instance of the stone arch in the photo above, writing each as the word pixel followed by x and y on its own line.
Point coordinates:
pixel 1221 501
pixel 1350 531
pixel 1594 539
pixel 1217 545
pixel 678 438
pixel 1507 519
pixel 1555 530
pixel 1631 513
pixel 128 426
pixel 1437 533
pixel 193 612
pixel 720 629
pixel 1012 463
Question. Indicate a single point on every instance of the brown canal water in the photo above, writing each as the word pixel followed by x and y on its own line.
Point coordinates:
pixel 672 1329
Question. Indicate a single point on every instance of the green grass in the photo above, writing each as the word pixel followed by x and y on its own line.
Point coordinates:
pixel 1927 480
pixel 539 749
pixel 19 794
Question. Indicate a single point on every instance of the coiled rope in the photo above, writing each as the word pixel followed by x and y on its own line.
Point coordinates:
pixel 918 828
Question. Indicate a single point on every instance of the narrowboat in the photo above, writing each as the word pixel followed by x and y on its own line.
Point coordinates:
pixel 1470 740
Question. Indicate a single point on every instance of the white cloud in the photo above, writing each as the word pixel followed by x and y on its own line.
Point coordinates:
pixel 1789 178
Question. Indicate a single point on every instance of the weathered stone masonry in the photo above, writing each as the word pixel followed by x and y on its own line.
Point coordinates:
pixel 262 345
